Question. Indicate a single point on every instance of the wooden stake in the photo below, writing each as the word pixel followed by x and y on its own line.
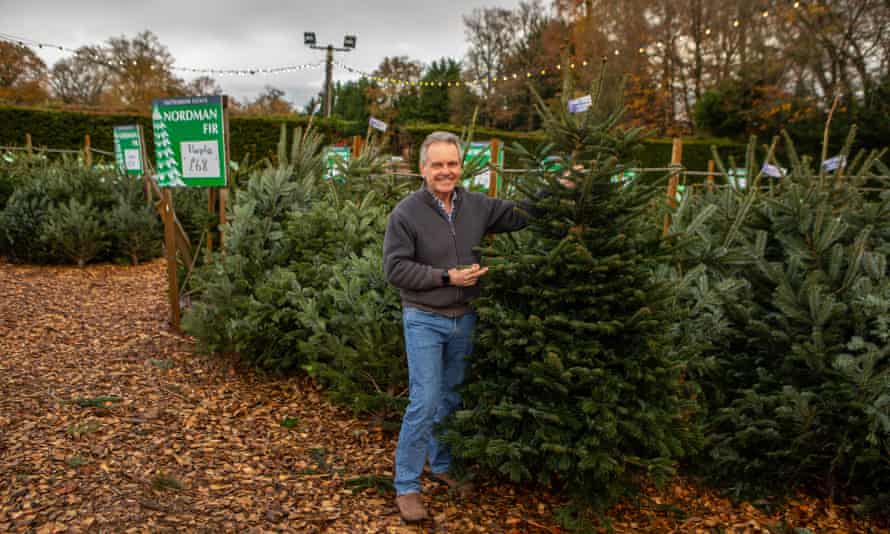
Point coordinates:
pixel 87 153
pixel 147 170
pixel 357 143
pixel 676 161
pixel 170 253
pixel 710 178
pixel 223 199
pixel 28 145
pixel 182 241
pixel 495 174
pixel 211 207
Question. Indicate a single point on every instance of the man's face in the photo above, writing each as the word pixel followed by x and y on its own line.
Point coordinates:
pixel 442 168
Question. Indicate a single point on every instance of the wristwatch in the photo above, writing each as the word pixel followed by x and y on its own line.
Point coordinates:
pixel 446 278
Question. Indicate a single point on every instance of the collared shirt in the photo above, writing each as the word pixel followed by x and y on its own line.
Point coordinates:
pixel 441 205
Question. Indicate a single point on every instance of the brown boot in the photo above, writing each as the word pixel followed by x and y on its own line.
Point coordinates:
pixel 463 488
pixel 411 507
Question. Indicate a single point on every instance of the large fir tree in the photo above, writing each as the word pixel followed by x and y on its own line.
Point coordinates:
pixel 572 379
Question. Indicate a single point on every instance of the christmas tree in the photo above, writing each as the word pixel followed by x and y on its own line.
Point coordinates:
pixel 787 283
pixel 573 380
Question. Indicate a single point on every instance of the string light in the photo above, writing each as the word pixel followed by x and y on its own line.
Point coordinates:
pixel 24 42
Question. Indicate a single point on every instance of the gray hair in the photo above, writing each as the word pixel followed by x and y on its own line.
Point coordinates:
pixel 439 137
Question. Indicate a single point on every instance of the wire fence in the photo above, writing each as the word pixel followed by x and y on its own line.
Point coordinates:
pixel 54 150
pixel 678 170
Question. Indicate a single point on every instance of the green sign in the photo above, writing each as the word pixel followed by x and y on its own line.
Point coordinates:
pixel 331 155
pixel 482 151
pixel 190 147
pixel 128 149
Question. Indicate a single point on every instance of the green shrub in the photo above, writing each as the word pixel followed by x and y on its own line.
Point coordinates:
pixel 21 225
pixel 355 346
pixel 74 231
pixel 106 207
pixel 789 290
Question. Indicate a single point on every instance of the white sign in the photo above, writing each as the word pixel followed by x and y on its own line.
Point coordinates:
pixel 200 159
pixel 483 179
pixel 834 163
pixel 377 124
pixel 578 105
pixel 772 170
pixel 131 159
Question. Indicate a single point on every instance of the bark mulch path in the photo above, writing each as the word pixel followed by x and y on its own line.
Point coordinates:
pixel 110 423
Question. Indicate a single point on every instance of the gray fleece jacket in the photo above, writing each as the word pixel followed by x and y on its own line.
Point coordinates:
pixel 420 243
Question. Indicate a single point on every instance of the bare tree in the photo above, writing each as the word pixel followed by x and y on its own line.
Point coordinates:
pixel 82 78
pixel 400 75
pixel 491 34
pixel 22 75
pixel 203 85
pixel 142 70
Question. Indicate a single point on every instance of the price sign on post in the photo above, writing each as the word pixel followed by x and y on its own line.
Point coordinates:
pixel 482 150
pixel 128 149
pixel 190 145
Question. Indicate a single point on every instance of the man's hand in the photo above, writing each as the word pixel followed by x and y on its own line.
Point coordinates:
pixel 466 277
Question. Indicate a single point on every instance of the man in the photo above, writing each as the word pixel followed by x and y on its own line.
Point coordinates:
pixel 428 254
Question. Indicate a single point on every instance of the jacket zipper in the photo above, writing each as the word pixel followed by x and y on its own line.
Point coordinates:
pixel 460 293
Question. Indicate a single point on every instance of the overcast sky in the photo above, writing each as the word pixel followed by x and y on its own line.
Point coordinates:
pixel 234 34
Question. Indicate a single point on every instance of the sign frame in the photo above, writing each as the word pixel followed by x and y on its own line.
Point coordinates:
pixel 191 141
pixel 129 146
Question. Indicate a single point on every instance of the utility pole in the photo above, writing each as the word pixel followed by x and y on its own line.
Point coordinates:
pixel 348 46
pixel 328 81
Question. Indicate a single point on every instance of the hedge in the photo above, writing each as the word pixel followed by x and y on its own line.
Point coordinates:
pixel 258 136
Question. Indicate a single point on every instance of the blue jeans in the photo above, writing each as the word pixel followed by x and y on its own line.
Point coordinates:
pixel 437 349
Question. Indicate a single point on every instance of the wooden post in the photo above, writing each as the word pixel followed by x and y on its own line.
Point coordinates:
pixel 495 173
pixel 356 145
pixel 710 178
pixel 223 199
pixel 28 145
pixel 170 253
pixel 211 207
pixel 676 162
pixel 224 191
pixel 87 153
pixel 182 242
pixel 146 166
